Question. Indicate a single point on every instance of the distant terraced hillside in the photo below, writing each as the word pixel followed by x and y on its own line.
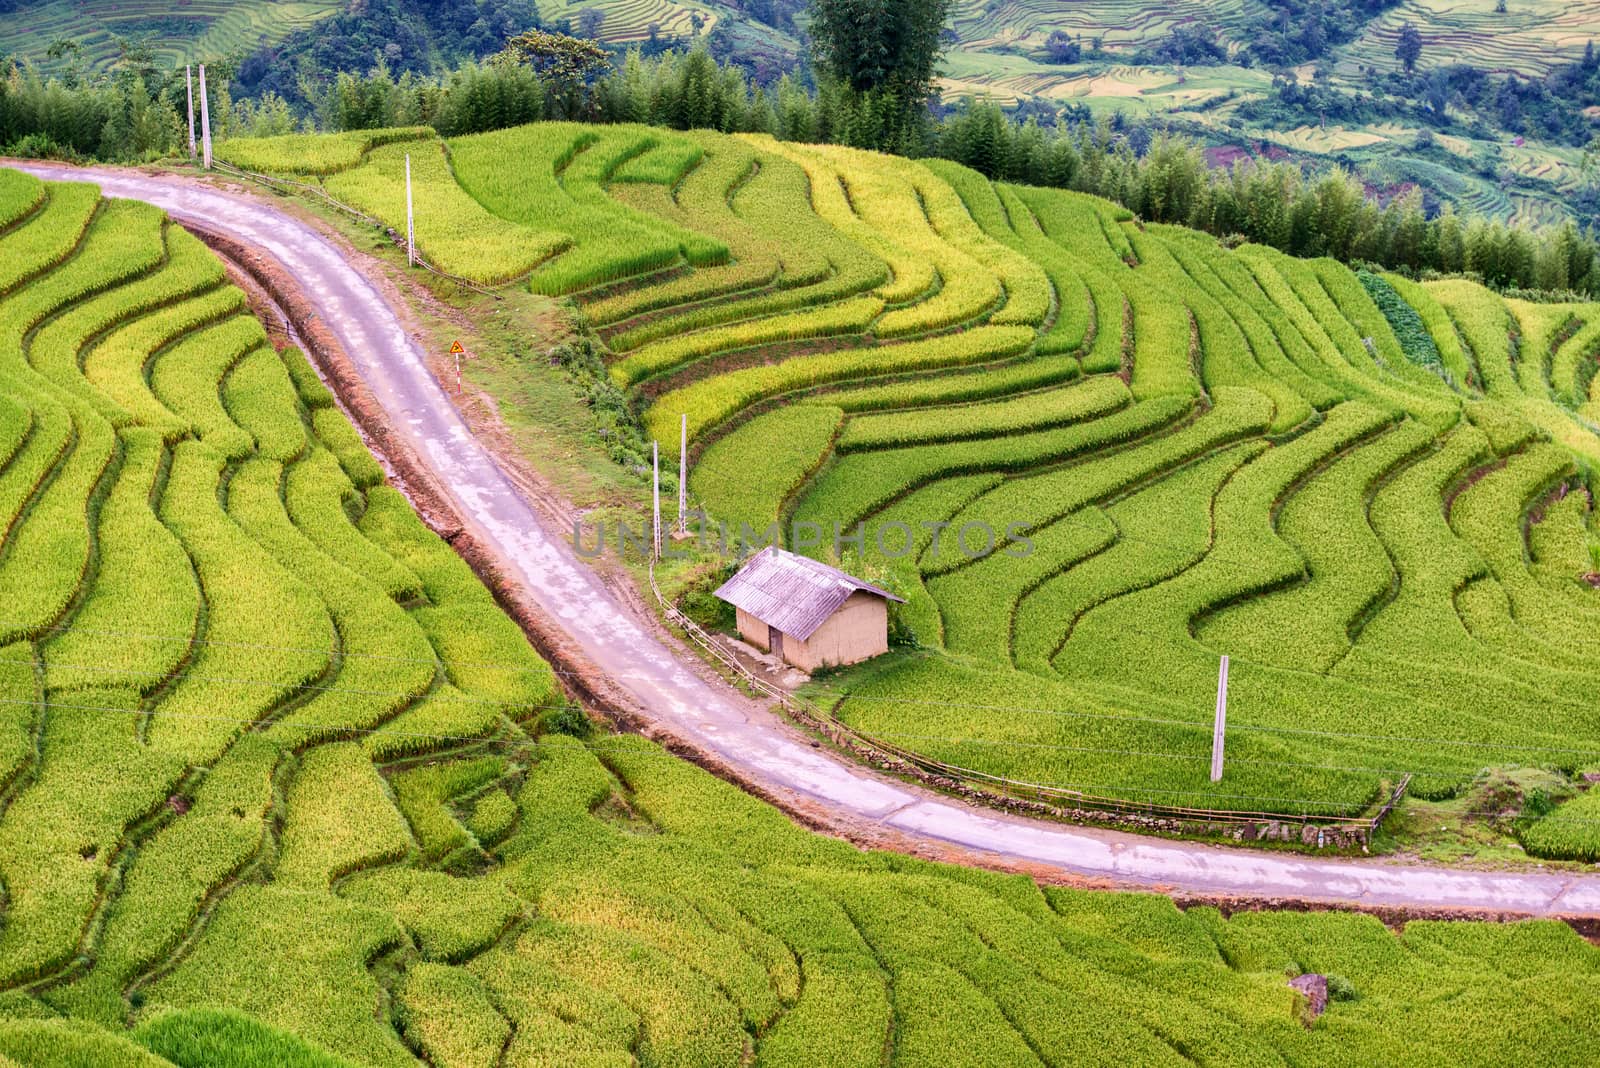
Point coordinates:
pixel 191 29
pixel 630 20
pixel 1530 38
pixel 1375 495
pixel 178 32
pixel 999 54
pixel 1120 24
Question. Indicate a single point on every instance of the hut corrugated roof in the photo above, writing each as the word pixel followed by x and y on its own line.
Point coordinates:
pixel 793 593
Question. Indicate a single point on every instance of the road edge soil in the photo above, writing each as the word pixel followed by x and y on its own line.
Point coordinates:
pixel 582 678
pixel 577 673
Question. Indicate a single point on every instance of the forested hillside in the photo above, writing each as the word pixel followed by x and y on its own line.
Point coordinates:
pixel 1489 111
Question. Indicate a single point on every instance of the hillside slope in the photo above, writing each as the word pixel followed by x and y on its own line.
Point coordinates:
pixel 1373 494
pixel 280 787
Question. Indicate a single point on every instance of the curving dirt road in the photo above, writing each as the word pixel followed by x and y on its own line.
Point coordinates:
pixel 711 718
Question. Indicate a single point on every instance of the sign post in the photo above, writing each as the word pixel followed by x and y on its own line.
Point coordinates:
pixel 458 351
pixel 1220 729
pixel 205 121
pixel 188 77
pixel 411 225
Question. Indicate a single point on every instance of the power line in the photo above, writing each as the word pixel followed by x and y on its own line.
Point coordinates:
pixel 632 747
pixel 418 701
pixel 266 646
pixel 1008 743
pixel 1208 553
pixel 621 741
pixel 513 706
pixel 279 684
pixel 413 697
pixel 618 744
pixel 846 696
pixel 1426 741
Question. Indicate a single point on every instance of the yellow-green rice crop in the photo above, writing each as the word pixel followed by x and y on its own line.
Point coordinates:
pixel 1571 832
pixel 550 177
pixel 48 234
pixel 20 194
pixel 745 476
pixel 279 780
pixel 910 275
pixel 454 233
pixel 338 818
pixel 1030 411
pixel 312 153
pixel 713 400
pixel 848 317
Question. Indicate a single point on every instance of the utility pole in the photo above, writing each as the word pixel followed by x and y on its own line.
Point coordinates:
pixel 411 224
pixel 188 77
pixel 683 476
pixel 205 120
pixel 1221 727
pixel 655 465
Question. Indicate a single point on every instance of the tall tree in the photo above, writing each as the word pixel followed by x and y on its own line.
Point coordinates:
pixel 1061 48
pixel 1409 48
pixel 885 53
pixel 568 65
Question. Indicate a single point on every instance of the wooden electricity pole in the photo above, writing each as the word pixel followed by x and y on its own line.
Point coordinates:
pixel 655 466
pixel 683 476
pixel 1220 729
pixel 205 120
pixel 411 223
pixel 188 77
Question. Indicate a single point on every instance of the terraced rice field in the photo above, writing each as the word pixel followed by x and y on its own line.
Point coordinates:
pixel 1529 38
pixel 1007 77
pixel 178 32
pixel 1122 24
pixel 999 55
pixel 1211 451
pixel 1327 140
pixel 204 30
pixel 277 790
pixel 627 21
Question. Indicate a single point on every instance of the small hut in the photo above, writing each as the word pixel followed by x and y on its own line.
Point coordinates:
pixel 807 613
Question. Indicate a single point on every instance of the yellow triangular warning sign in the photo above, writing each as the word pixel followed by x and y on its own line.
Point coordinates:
pixel 456 349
